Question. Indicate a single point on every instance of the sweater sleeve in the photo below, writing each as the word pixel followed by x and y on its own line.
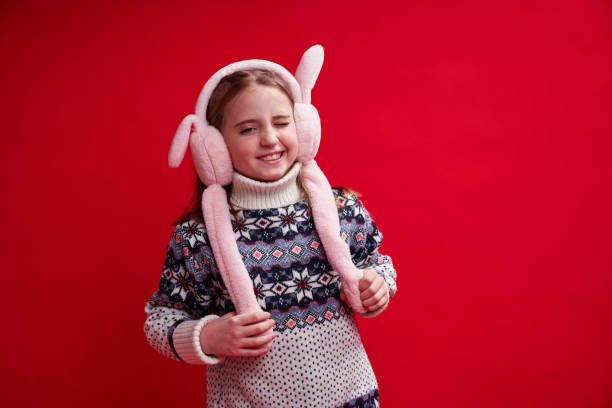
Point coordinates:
pixel 375 260
pixel 364 240
pixel 182 304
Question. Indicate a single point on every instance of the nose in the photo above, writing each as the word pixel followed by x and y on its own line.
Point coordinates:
pixel 268 136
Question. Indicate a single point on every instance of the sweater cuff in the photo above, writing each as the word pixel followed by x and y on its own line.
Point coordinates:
pixel 186 340
pixel 380 309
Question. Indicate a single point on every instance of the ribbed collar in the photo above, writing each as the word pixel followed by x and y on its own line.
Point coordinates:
pixel 252 194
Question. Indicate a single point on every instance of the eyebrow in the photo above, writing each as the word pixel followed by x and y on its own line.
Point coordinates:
pixel 276 117
pixel 244 121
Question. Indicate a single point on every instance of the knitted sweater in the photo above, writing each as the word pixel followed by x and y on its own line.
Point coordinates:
pixel 317 358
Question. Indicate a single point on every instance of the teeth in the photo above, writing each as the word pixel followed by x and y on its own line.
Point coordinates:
pixel 272 156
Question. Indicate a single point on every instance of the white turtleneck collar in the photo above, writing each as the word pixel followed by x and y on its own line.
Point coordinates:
pixel 252 194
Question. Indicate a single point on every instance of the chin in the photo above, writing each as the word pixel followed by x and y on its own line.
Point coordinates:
pixel 273 175
pixel 261 173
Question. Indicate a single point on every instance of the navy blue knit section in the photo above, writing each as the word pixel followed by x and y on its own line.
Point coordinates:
pixel 370 400
pixel 298 318
pixel 190 280
pixel 283 255
pixel 293 280
pixel 171 341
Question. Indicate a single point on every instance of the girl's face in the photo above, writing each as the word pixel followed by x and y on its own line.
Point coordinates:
pixel 259 131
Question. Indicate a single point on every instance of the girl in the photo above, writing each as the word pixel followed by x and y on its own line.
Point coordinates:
pixel 263 290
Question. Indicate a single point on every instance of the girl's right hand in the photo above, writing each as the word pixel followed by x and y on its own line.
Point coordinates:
pixel 232 335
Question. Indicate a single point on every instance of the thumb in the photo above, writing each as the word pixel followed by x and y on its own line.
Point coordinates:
pixel 342 296
pixel 227 316
pixel 366 280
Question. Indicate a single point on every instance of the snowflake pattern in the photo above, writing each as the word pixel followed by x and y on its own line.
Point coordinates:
pixel 242 226
pixel 219 294
pixel 261 290
pixel 303 283
pixel 283 255
pixel 288 219
pixel 180 283
pixel 268 225
pixel 193 233
pixel 292 280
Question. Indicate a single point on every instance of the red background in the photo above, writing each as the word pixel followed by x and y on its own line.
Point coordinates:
pixel 478 133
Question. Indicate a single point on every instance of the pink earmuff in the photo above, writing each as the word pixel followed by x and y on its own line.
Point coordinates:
pixel 214 167
pixel 207 142
pixel 308 126
pixel 208 151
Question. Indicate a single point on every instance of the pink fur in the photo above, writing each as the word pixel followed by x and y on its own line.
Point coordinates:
pixel 181 139
pixel 213 164
pixel 308 125
pixel 219 230
pixel 201 159
pixel 206 143
pixel 325 216
pixel 308 70
pixel 211 84
pixel 218 155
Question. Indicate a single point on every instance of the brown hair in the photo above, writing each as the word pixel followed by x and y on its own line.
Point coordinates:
pixel 227 89
pixel 233 84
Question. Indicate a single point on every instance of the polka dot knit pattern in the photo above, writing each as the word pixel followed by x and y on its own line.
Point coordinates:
pixel 160 323
pixel 317 358
pixel 319 366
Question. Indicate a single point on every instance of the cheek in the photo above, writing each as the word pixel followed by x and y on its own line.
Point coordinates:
pixel 237 151
pixel 291 140
pixel 243 152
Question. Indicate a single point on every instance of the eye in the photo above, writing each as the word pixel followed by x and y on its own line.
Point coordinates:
pixel 247 130
pixel 282 124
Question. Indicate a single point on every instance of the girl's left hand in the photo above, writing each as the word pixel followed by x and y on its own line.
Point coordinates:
pixel 373 291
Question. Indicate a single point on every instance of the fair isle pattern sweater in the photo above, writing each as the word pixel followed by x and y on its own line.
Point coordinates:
pixel 317 358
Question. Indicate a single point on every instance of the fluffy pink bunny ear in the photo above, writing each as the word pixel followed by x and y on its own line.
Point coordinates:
pixel 178 148
pixel 307 119
pixel 208 151
pixel 322 201
pixel 214 166
pixel 308 70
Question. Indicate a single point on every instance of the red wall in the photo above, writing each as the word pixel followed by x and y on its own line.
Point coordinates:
pixel 478 133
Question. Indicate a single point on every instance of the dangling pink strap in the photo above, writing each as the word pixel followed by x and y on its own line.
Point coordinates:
pixel 325 215
pixel 228 258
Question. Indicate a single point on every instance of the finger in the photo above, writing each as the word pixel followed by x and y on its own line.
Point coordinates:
pixel 367 279
pixel 343 296
pixel 372 289
pixel 377 297
pixel 383 301
pixel 257 328
pixel 256 352
pixel 227 316
pixel 257 342
pixel 378 305
pixel 251 317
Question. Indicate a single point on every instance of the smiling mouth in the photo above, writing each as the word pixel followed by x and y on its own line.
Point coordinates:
pixel 271 156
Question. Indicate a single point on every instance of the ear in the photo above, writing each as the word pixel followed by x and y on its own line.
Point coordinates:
pixel 191 124
pixel 308 70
